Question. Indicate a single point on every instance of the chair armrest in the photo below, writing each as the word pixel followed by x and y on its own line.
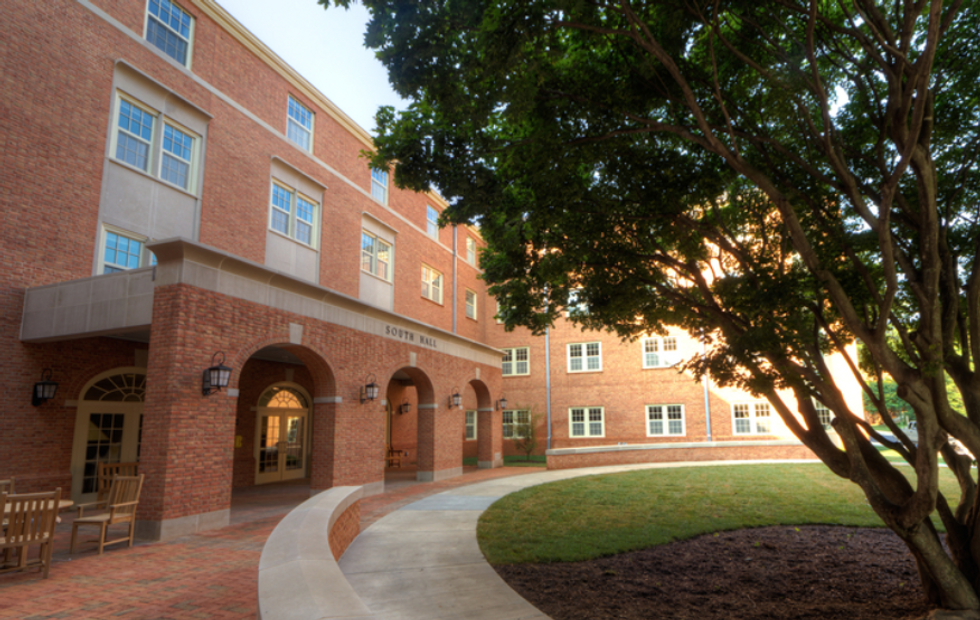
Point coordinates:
pixel 112 508
pixel 81 507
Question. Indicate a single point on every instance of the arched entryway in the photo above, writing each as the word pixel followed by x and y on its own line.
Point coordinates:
pixel 410 421
pixel 282 434
pixel 108 427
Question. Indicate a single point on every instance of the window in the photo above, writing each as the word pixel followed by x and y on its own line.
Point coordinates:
pixel 470 425
pixel 431 284
pixel 516 423
pixel 293 214
pixel 431 222
pixel 665 420
pixel 751 418
pixel 299 124
pixel 375 256
pixel 161 149
pixel 379 185
pixel 122 252
pixel 825 415
pixel 496 316
pixel 516 361
pixel 169 27
pixel 659 352
pixel 585 357
pixel 586 422
pixel 575 306
pixel 471 251
pixel 470 304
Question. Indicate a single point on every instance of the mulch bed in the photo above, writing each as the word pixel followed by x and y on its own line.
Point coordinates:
pixel 772 573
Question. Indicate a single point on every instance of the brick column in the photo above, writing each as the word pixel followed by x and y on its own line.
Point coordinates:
pixel 322 453
pixel 359 445
pixel 490 439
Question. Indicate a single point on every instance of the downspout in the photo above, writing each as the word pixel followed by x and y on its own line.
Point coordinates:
pixel 547 381
pixel 455 243
pixel 707 405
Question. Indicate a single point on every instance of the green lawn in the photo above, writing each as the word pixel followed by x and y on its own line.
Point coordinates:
pixel 515 461
pixel 596 516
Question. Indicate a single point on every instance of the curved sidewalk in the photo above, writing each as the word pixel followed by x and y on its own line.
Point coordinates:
pixel 422 561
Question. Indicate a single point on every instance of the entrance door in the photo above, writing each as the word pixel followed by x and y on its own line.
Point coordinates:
pixel 108 427
pixel 281 435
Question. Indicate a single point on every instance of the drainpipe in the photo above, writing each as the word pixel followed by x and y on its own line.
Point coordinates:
pixel 455 243
pixel 547 381
pixel 707 405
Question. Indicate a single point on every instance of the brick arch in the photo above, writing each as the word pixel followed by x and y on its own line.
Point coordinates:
pixel 423 384
pixel 483 398
pixel 317 362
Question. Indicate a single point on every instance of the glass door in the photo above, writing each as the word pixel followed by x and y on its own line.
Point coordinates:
pixel 281 437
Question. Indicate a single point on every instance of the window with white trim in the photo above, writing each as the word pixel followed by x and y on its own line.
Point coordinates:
pixel 170 28
pixel 659 352
pixel 124 251
pixel 517 361
pixel 470 425
pixel 515 423
pixel 431 284
pixel 751 418
pixel 154 144
pixel 585 357
pixel 586 422
pixel 471 251
pixel 826 415
pixel 496 316
pixel 299 124
pixel 431 222
pixel 470 304
pixel 375 255
pixel 665 420
pixel 379 185
pixel 293 214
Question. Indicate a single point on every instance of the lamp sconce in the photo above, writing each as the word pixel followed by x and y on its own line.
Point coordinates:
pixel 215 377
pixel 455 400
pixel 44 389
pixel 502 403
pixel 405 407
pixel 369 391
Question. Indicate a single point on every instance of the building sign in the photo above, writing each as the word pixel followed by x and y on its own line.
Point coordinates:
pixel 408 335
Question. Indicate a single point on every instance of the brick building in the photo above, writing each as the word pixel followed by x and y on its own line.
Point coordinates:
pixel 176 197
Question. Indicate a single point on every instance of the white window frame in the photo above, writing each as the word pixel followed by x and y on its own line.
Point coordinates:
pixel 659 352
pixel 144 259
pixel 471 424
pixel 432 221
pixel 662 414
pixel 587 421
pixel 168 27
pixel 580 351
pixel 757 415
pixel 517 417
pixel 512 361
pixel 155 143
pixel 471 251
pixel 294 222
pixel 295 125
pixel 379 185
pixel 824 413
pixel 432 284
pixel 374 259
pixel 471 304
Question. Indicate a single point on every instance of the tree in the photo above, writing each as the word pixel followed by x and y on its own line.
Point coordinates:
pixel 784 178
pixel 526 433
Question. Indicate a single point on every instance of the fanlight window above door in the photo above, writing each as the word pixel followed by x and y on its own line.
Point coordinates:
pixel 122 388
pixel 281 397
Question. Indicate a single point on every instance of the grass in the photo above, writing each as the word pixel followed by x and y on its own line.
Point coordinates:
pixel 596 516
pixel 537 460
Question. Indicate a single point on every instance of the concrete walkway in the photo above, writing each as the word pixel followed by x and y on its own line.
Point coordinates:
pixel 422 561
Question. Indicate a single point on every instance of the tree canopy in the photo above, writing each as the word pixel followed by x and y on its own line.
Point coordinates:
pixel 783 178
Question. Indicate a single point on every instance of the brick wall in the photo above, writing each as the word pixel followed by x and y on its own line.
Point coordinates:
pixel 345 529
pixel 678 455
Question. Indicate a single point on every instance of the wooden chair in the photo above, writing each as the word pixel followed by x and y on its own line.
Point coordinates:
pixel 394 457
pixel 124 496
pixel 108 471
pixel 7 486
pixel 30 521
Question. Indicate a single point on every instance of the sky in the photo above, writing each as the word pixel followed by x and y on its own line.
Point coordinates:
pixel 326 46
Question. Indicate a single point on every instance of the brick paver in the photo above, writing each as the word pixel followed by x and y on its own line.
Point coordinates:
pixel 211 575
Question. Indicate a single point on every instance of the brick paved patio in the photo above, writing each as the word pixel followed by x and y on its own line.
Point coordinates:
pixel 211 575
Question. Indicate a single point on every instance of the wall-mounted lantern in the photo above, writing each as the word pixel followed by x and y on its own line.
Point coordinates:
pixel 455 400
pixel 369 391
pixel 44 389
pixel 405 407
pixel 502 403
pixel 215 377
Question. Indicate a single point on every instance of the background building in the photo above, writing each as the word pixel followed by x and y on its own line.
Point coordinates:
pixel 176 197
